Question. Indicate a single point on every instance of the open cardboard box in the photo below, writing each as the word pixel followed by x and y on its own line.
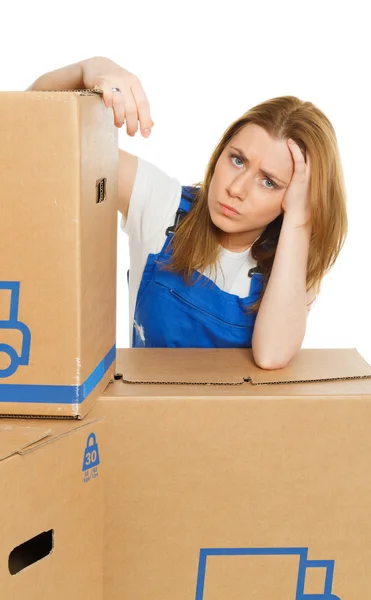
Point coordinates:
pixel 225 481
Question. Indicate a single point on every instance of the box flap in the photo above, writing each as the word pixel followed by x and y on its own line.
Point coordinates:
pixel 315 365
pixel 14 439
pixel 233 366
pixel 61 429
pixel 183 365
pixel 23 438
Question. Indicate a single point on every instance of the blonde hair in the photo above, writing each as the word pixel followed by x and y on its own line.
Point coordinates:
pixel 195 242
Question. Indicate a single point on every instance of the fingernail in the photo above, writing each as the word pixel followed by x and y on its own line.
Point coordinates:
pixel 146 131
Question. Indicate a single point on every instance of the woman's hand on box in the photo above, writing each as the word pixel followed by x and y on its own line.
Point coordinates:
pixel 122 91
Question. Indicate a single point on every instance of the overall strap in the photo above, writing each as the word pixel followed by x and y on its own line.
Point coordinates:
pixel 185 205
pixel 254 270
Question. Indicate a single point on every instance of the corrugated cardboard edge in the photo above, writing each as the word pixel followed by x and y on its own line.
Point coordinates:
pixel 66 417
pixel 347 359
pixel 96 91
pixel 293 381
pixel 205 383
pixel 245 380
pixel 69 412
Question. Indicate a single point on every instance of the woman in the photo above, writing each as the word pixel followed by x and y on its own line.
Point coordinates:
pixel 237 260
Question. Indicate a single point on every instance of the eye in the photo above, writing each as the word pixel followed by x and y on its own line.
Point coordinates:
pixel 272 182
pixel 238 158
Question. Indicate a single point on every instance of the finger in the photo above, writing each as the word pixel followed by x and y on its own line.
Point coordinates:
pixel 294 148
pixel 143 108
pixel 299 162
pixel 118 105
pixel 106 88
pixel 131 113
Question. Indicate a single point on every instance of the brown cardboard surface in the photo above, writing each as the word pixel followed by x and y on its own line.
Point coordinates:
pixel 183 365
pixel 237 491
pixel 58 248
pixel 44 492
pixel 233 366
pixel 16 439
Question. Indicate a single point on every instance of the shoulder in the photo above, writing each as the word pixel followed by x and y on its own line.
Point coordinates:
pixel 154 201
pixel 152 179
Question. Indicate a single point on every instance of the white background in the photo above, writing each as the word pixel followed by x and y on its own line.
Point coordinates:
pixel 202 65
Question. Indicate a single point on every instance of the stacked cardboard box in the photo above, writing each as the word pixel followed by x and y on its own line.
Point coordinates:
pixel 226 481
pixel 193 474
pixel 52 509
pixel 58 228
pixel 58 161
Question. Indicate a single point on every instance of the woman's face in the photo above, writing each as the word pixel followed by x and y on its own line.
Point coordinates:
pixel 242 199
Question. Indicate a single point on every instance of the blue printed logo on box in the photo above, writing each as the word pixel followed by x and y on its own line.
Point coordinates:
pixel 91 458
pixel 326 566
pixel 17 356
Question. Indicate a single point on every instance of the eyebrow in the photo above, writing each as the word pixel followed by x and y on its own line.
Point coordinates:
pixel 269 175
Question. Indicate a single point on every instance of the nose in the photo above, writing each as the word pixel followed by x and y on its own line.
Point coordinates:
pixel 238 187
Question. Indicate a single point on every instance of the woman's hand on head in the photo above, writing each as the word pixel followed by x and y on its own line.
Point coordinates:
pixel 129 104
pixel 296 202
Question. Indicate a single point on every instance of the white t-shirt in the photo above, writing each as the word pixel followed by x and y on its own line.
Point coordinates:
pixel 153 205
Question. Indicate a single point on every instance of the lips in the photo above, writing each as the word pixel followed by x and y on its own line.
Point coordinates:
pixel 227 209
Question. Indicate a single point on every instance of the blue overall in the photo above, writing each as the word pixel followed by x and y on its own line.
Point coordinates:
pixel 171 313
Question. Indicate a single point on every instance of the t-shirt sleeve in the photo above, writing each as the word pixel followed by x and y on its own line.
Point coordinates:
pixel 154 201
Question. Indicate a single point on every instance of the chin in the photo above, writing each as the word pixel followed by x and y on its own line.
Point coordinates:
pixel 223 223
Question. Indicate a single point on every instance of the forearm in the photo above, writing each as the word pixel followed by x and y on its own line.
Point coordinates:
pixel 281 321
pixel 65 78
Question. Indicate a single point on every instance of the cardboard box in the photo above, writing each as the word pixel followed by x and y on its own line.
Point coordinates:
pixel 58 228
pixel 51 502
pixel 225 481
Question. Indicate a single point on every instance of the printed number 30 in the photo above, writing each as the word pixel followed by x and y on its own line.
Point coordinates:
pixel 91 457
